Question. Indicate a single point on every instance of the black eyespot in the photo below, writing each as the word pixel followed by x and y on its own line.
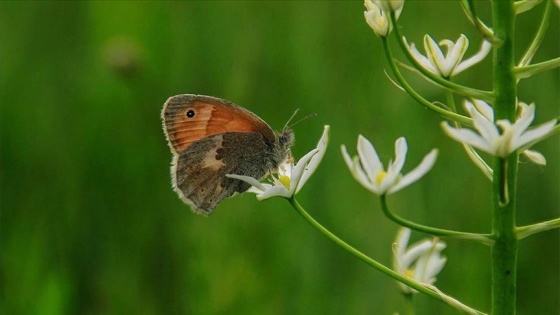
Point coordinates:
pixel 190 113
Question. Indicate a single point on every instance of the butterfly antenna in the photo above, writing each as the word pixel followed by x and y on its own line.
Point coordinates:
pixel 292 117
pixel 304 118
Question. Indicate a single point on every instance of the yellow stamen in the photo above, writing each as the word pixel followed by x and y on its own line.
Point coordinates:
pixel 285 180
pixel 380 176
pixel 409 273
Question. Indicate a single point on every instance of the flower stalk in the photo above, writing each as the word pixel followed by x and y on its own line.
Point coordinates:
pixel 537 39
pixel 441 111
pixel 504 250
pixel 485 239
pixel 528 230
pixel 424 288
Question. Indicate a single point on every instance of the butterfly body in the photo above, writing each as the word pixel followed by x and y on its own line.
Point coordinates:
pixel 210 138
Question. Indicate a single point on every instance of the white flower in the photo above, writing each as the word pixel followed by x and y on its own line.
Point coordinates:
pixel 450 64
pixel 377 15
pixel 512 136
pixel 290 178
pixel 368 170
pixel 421 262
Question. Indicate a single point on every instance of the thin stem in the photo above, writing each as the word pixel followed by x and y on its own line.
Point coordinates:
pixel 485 239
pixel 528 230
pixel 534 46
pixel 504 251
pixel 457 88
pixel 409 304
pixel 426 289
pixel 527 71
pixel 445 113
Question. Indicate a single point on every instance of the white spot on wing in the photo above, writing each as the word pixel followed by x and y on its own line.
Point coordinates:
pixel 210 160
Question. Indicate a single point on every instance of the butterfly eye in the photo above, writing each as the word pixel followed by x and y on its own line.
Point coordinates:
pixel 190 113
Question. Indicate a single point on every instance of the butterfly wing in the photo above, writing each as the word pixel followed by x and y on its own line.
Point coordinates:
pixel 199 172
pixel 188 118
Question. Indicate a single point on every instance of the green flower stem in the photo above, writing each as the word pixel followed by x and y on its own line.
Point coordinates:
pixel 532 49
pixel 487 96
pixel 485 239
pixel 443 112
pixel 409 304
pixel 528 230
pixel 527 71
pixel 426 289
pixel 504 250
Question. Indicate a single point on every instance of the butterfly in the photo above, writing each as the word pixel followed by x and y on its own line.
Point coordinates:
pixel 211 137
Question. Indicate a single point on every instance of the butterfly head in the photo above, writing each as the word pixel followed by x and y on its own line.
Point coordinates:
pixel 286 139
pixel 282 148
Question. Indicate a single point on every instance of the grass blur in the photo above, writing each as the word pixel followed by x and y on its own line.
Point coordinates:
pixel 90 224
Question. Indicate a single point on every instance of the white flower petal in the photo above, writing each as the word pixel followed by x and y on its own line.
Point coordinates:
pixel 275 191
pixel 483 108
pixel 478 57
pixel 532 135
pixel 429 264
pixel 485 127
pixel 414 252
pixel 249 180
pixel 362 178
pixel 435 55
pixel 525 120
pixel 299 169
pixel 535 157
pixel 316 159
pixel 421 59
pixel 467 136
pixel 401 148
pixel 424 167
pixel 435 265
pixel 403 235
pixel 388 181
pixel 422 258
pixel 258 191
pixel 455 54
pixel 347 157
pixel 369 158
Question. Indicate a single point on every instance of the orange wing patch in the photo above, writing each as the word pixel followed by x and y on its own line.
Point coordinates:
pixel 189 118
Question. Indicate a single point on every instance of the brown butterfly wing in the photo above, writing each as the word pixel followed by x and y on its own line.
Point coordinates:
pixel 188 118
pixel 199 173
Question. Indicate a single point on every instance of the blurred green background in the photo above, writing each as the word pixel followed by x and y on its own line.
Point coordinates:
pixel 90 224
